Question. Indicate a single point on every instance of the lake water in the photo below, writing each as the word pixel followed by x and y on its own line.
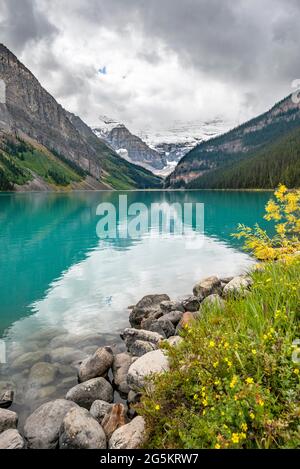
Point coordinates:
pixel 62 286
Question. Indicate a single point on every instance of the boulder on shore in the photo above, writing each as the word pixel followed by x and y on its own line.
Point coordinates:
pixel 120 367
pixel 114 419
pixel 96 365
pixel 6 398
pixel 140 347
pixel 79 430
pixel 130 436
pixel 237 286
pixel 207 286
pixel 99 409
pixel 147 305
pixel 11 439
pixel 84 394
pixel 130 335
pixel 8 419
pixel 150 363
pixel 213 300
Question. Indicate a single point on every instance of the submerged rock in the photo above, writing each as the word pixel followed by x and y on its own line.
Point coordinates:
pixel 8 419
pixel 26 360
pixel 97 365
pixel 150 363
pixel 79 430
pixel 120 367
pixel 130 436
pixel 41 428
pixel 41 374
pixel 84 394
pixel 67 355
pixel 11 439
pixel 147 305
pixel 115 419
pixel 207 286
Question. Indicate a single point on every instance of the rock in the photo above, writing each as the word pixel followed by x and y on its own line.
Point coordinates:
pixel 167 326
pixel 226 279
pixel 173 316
pixel 237 286
pixel 157 328
pixel 97 365
pixel 140 347
pixel 130 436
pixel 168 306
pixel 76 341
pixel 99 409
pixel 8 419
pixel 26 360
pixel 115 419
pixel 67 355
pixel 175 340
pixel 133 397
pixel 148 364
pixel 213 300
pixel 6 398
pixel 130 335
pixel 120 367
pixel 11 439
pixel 41 428
pixel 84 394
pixel 40 393
pixel 186 320
pixel 144 307
pixel 42 373
pixel 207 286
pixel 79 430
pixel 191 303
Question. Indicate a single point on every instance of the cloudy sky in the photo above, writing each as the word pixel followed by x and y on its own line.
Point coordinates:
pixel 150 62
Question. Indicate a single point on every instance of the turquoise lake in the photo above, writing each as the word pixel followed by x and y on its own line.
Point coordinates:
pixel 62 286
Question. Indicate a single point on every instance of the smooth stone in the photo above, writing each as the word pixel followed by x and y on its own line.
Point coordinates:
pixel 120 367
pixel 214 300
pixel 237 286
pixel 79 430
pixel 167 326
pixel 140 347
pixel 28 359
pixel 156 327
pixel 191 303
pixel 130 436
pixel 84 394
pixel 67 382
pixel 99 409
pixel 8 419
pixel 67 355
pixel 6 398
pixel 207 286
pixel 130 335
pixel 173 316
pixel 175 340
pixel 40 393
pixel 42 373
pixel 150 363
pixel 169 306
pixel 97 365
pixel 42 427
pixel 144 307
pixel 226 279
pixel 115 419
pixel 76 341
pixel 11 439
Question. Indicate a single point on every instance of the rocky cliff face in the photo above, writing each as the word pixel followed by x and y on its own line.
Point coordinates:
pixel 132 148
pixel 237 144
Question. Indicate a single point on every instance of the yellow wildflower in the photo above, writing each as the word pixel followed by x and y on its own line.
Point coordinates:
pixel 253 351
pixel 235 438
pixel 296 371
pixel 212 343
pixel 233 382
pixel 215 364
pixel 249 381
pixel 157 407
pixel 244 427
pixel 252 416
pixel 217 446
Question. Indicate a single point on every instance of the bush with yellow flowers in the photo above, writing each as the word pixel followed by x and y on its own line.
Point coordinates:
pixel 234 381
pixel 284 212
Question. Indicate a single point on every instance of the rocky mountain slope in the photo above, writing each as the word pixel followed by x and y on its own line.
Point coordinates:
pixel 30 115
pixel 214 156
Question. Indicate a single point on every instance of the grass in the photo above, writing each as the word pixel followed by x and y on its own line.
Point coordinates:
pixel 234 380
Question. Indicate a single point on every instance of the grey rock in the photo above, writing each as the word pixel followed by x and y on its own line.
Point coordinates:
pixel 207 286
pixel 8 419
pixel 150 363
pixel 226 279
pixel 167 326
pixel 120 367
pixel 168 306
pixel 144 307
pixel 97 365
pixel 6 398
pixel 237 286
pixel 84 394
pixel 130 436
pixel 173 316
pixel 213 300
pixel 99 409
pixel 41 374
pixel 79 430
pixel 140 347
pixel 133 397
pixel 42 427
pixel 130 335
pixel 11 439
pixel 191 303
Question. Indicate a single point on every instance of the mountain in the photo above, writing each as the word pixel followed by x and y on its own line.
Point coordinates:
pixel 230 160
pixel 128 145
pixel 42 146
